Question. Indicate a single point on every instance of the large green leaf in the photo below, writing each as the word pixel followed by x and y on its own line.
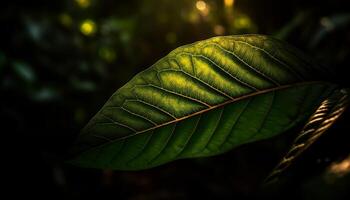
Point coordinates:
pixel 203 99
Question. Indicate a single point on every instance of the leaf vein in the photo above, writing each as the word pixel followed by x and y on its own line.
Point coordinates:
pixel 115 122
pixel 274 58
pixel 245 63
pixel 149 104
pixel 214 130
pixel 165 145
pixel 189 138
pixel 175 93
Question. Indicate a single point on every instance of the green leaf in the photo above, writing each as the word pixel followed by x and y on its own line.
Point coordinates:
pixel 203 99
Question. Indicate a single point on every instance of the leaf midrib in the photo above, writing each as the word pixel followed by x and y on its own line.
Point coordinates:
pixel 208 109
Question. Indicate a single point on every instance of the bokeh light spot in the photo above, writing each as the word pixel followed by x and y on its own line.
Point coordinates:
pixel 219 29
pixel 242 22
pixel 107 54
pixel 88 27
pixel 193 17
pixel 229 3
pixel 201 5
pixel 327 23
pixel 66 20
pixel 341 168
pixel 83 3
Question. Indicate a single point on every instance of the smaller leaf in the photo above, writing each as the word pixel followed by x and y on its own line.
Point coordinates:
pixel 323 118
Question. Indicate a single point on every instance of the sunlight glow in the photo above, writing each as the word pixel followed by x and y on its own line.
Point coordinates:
pixel 83 3
pixel 88 27
pixel 229 3
pixel 337 170
pixel 201 5
pixel 341 168
pixel 219 30
pixel 242 22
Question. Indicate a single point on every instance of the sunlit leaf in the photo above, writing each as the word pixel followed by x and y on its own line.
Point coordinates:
pixel 201 100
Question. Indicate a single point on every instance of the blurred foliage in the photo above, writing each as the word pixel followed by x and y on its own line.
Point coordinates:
pixel 60 60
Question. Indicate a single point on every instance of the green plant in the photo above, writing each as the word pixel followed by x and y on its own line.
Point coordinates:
pixel 208 97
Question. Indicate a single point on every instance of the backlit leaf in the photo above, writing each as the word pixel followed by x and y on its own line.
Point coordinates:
pixel 201 100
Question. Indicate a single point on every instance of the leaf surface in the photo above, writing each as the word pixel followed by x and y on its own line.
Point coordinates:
pixel 203 99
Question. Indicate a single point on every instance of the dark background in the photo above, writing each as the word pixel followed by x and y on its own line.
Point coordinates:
pixel 61 60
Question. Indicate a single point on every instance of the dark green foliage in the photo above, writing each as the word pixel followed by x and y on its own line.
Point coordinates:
pixel 68 75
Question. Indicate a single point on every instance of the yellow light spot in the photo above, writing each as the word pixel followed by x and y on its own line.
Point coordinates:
pixel 337 170
pixel 65 19
pixel 193 17
pixel 341 168
pixel 205 12
pixel 201 5
pixel 88 27
pixel 219 30
pixel 83 3
pixel 229 3
pixel 242 22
